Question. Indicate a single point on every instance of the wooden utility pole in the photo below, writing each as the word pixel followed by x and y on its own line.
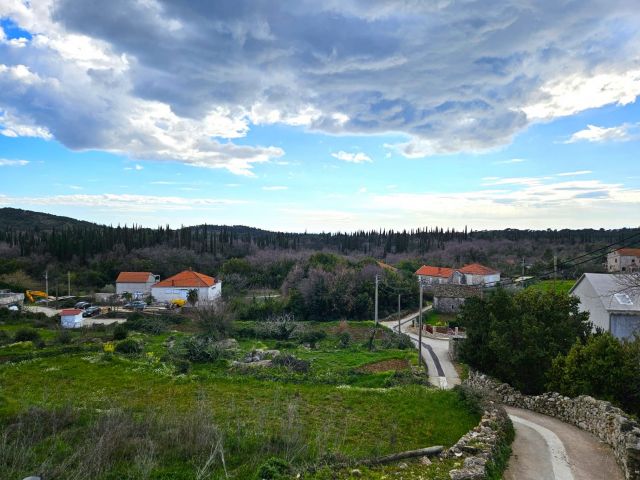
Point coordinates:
pixel 555 271
pixel 46 282
pixel 420 328
pixel 399 326
pixel 523 266
pixel 376 308
pixel 69 283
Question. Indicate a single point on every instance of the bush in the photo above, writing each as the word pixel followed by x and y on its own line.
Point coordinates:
pixel 4 337
pixel 64 337
pixel 394 340
pixel 145 324
pixel 292 363
pixel 26 335
pixel 120 332
pixel 312 337
pixel 273 469
pixel 203 349
pixel 344 340
pixel 183 366
pixel 129 347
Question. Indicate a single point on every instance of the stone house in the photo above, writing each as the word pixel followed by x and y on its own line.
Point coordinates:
pixel 626 260
pixel 448 298
pixel 428 275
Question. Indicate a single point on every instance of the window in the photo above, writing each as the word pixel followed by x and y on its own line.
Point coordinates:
pixel 623 299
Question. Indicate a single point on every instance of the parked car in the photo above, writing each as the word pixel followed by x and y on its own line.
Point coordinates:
pixel 91 311
pixel 136 305
pixel 82 305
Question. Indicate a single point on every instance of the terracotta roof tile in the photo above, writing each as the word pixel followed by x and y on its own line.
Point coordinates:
pixel 133 277
pixel 629 252
pixel 477 269
pixel 429 271
pixel 70 311
pixel 188 278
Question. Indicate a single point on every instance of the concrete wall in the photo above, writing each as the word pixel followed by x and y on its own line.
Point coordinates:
pixel 590 302
pixel 606 422
pixel 471 279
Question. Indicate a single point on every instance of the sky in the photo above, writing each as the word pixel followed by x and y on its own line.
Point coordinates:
pixel 323 116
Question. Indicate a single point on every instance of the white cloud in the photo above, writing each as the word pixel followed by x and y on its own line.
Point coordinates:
pixel 126 202
pixel 573 174
pixel 357 157
pixel 7 162
pixel 275 188
pixel 153 81
pixel 138 167
pixel 510 161
pixel 597 134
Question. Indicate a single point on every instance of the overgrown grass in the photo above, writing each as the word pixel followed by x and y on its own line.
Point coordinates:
pixel 559 286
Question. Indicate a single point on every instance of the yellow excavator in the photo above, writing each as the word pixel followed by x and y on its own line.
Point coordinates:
pixel 177 303
pixel 33 294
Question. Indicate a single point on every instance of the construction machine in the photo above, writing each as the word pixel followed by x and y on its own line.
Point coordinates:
pixel 177 303
pixel 31 295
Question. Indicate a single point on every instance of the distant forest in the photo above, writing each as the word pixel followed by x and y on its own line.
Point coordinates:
pixel 31 242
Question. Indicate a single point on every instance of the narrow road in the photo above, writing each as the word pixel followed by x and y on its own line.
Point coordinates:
pixel 435 353
pixel 547 449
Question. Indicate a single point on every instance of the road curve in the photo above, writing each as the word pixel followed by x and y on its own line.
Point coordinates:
pixel 435 353
pixel 547 449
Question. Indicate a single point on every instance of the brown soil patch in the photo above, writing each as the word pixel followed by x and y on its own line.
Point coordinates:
pixel 386 365
pixel 358 334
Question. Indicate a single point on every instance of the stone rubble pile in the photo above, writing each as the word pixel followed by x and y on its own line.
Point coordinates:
pixel 608 423
pixel 477 447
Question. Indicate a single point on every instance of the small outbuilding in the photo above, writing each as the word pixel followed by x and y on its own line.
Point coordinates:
pixel 71 318
pixel 450 298
pixel 138 284
pixel 613 302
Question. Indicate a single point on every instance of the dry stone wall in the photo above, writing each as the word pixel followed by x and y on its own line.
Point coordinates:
pixel 606 422
pixel 477 448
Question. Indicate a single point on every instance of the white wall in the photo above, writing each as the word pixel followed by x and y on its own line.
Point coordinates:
pixel 72 321
pixel 591 302
pixel 205 294
pixel 490 280
pixel 124 287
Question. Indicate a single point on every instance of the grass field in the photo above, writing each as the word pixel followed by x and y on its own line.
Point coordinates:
pixel 73 411
pixel 560 286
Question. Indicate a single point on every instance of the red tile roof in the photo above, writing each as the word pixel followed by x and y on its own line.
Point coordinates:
pixel 477 269
pixel 188 278
pixel 133 277
pixel 429 271
pixel 629 252
pixel 70 312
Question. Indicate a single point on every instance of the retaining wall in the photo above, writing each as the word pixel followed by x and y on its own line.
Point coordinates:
pixel 608 423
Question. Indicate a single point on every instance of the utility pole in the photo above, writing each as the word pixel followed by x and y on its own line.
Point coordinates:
pixel 69 283
pixel 46 282
pixel 523 266
pixel 420 328
pixel 399 326
pixel 376 308
pixel 555 270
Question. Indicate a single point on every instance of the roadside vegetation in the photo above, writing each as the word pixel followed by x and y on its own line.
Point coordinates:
pixel 202 396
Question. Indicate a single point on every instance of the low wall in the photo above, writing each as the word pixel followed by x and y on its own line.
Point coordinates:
pixel 478 448
pixel 606 422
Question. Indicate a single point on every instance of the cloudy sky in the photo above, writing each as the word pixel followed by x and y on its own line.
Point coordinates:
pixel 334 115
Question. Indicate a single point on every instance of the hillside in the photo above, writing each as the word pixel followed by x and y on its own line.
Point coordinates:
pixel 25 220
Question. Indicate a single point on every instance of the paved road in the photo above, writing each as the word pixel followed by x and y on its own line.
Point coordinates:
pixel 435 352
pixel 547 449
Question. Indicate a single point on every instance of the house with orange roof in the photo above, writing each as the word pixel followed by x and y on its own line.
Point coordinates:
pixel 476 274
pixel 178 286
pixel 428 275
pixel 624 260
pixel 138 284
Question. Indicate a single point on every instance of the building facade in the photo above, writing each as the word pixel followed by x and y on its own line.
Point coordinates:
pixel 624 260
pixel 178 287
pixel 138 284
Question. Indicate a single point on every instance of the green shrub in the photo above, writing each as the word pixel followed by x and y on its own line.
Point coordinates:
pixel 26 335
pixel 273 469
pixel 129 347
pixel 4 337
pixel 120 332
pixel 203 349
pixel 344 340
pixel 183 366
pixel 292 363
pixel 145 324
pixel 64 337
pixel 312 337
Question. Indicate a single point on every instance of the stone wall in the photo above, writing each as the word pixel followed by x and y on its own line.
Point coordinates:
pixel 606 422
pixel 477 448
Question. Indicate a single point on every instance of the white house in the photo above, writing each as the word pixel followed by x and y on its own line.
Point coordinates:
pixel 428 275
pixel 624 260
pixel 178 287
pixel 476 274
pixel 71 318
pixel 138 284
pixel 612 305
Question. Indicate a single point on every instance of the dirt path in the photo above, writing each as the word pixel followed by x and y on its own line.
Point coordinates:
pixel 547 449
